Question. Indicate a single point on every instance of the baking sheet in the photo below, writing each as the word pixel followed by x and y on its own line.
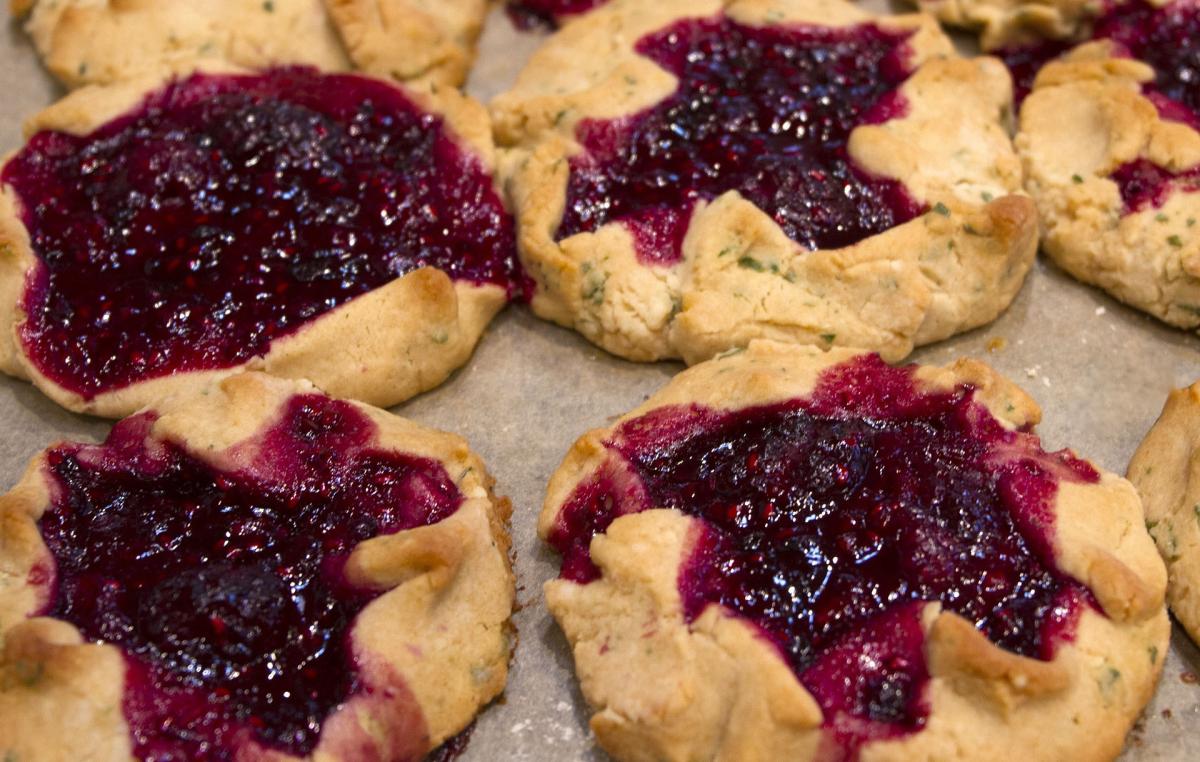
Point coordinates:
pixel 1100 371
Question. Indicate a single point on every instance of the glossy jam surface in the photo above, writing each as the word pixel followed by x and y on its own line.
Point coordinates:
pixel 547 14
pixel 766 111
pixel 225 212
pixel 225 589
pixel 829 521
pixel 1145 185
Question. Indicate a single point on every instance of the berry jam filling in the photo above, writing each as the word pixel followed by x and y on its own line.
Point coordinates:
pixel 766 111
pixel 227 211
pixel 1145 184
pixel 830 521
pixel 546 14
pixel 224 589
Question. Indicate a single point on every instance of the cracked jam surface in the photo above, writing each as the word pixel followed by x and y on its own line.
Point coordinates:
pixel 546 14
pixel 227 211
pixel 225 589
pixel 766 111
pixel 828 522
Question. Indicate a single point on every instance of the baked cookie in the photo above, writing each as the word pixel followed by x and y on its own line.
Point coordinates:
pixel 1165 471
pixel 101 41
pixel 255 571
pixel 411 39
pixel 688 176
pixel 814 555
pixel 329 227
pixel 547 14
pixel 1110 142
pixel 1007 23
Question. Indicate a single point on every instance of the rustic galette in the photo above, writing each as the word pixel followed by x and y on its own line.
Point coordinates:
pixel 690 175
pixel 790 553
pixel 252 571
pixel 163 231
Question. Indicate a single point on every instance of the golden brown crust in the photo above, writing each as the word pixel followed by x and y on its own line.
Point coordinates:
pixel 1015 23
pixel 43 665
pixel 952 269
pixel 714 689
pixel 102 41
pixel 1166 471
pixel 441 623
pixel 383 347
pixel 1004 23
pixel 1085 118
pixel 409 40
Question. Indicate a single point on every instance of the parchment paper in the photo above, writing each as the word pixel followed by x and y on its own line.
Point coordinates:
pixel 1100 371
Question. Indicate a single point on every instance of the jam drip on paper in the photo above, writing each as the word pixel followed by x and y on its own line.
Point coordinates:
pixel 547 14
pixel 225 589
pixel 227 211
pixel 829 522
pixel 765 111
pixel 453 748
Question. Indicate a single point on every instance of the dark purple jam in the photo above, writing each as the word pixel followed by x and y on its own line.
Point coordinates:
pixel 227 211
pixel 1145 184
pixel 830 520
pixel 766 111
pixel 547 14
pixel 225 590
